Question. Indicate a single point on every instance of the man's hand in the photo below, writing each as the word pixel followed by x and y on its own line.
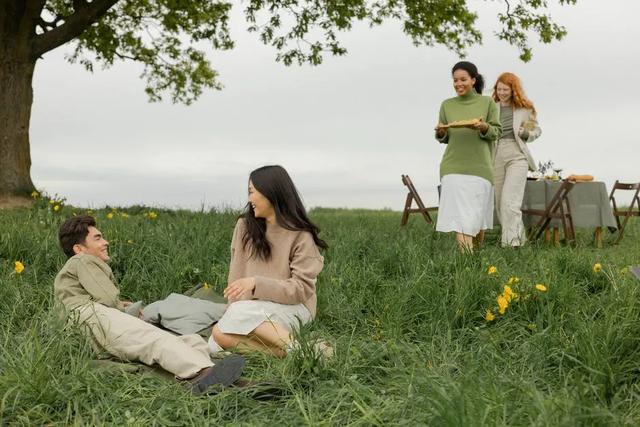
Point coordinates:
pixel 240 289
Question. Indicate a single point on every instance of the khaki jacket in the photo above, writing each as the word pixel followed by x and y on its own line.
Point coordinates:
pixel 85 278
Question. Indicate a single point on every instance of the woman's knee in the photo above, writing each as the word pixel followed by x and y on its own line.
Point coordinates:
pixel 224 340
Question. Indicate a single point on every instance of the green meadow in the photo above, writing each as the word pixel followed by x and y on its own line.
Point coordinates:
pixel 406 312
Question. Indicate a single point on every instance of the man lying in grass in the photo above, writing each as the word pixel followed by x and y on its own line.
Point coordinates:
pixel 87 290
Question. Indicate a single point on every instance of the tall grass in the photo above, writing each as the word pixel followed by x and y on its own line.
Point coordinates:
pixel 405 310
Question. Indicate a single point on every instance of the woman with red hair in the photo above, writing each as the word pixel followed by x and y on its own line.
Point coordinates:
pixel 512 158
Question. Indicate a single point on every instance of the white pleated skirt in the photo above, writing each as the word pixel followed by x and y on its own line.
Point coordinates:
pixel 244 316
pixel 466 204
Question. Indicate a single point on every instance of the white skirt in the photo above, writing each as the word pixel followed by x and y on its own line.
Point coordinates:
pixel 244 316
pixel 466 204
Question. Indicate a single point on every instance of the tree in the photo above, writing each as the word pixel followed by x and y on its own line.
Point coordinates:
pixel 165 35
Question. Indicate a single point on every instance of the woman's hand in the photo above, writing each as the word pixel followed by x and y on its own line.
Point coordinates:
pixel 240 289
pixel 441 130
pixel 481 126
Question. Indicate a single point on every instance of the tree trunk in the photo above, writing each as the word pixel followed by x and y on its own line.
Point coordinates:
pixel 16 96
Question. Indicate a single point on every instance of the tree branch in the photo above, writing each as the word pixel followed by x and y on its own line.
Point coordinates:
pixel 84 15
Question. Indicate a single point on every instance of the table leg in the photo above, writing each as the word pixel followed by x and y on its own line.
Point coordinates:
pixel 547 235
pixel 598 236
pixel 556 236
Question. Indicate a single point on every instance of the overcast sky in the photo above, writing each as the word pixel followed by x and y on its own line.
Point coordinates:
pixel 345 130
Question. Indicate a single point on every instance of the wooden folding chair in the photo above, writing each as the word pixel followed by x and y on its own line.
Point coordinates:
pixel 625 213
pixel 411 196
pixel 557 208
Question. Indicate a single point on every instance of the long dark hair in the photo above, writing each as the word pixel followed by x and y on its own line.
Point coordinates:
pixel 473 72
pixel 274 183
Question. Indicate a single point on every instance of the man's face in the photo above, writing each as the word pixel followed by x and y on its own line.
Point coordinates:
pixel 94 244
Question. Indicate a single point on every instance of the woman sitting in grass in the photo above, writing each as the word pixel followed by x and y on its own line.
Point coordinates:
pixel 274 265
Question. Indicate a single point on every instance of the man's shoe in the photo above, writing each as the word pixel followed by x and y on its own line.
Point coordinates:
pixel 225 372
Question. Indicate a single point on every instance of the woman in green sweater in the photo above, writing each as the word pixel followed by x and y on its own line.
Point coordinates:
pixel 469 125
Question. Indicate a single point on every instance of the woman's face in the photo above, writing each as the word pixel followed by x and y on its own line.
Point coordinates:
pixel 262 207
pixel 504 93
pixel 462 82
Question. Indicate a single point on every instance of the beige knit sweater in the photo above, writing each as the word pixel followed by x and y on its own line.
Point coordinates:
pixel 289 276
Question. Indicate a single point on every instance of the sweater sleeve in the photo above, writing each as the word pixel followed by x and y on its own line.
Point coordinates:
pixel 236 249
pixel 305 264
pixel 442 118
pixel 493 120
pixel 98 284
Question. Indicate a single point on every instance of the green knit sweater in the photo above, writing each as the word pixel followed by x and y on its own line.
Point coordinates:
pixel 468 151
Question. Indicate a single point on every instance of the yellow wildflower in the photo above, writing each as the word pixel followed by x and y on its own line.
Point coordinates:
pixel 492 270
pixel 34 194
pixel 19 267
pixel 489 316
pixel 110 215
pixel 56 208
pixel 597 267
pixel 502 304
pixel 541 287
pixel 51 202
pixel 153 215
pixel 124 215
pixel 513 280
pixel 508 293
pixel 532 327
pixel 624 271
pixel 206 285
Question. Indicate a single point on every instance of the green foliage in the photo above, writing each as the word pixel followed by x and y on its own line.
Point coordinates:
pixel 404 310
pixel 166 36
pixel 524 18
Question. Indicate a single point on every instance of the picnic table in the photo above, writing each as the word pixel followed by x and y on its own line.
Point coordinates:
pixel 589 203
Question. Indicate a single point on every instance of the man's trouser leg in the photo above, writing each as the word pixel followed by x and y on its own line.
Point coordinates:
pixel 130 338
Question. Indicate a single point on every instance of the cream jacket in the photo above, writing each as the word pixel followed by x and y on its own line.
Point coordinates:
pixel 525 118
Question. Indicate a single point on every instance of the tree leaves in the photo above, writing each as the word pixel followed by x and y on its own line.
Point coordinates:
pixel 166 36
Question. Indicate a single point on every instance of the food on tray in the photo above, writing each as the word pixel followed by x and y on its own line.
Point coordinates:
pixel 463 123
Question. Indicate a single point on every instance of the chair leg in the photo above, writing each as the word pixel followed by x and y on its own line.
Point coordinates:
pixel 407 206
pixel 621 229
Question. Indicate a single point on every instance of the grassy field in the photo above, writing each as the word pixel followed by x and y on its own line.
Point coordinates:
pixel 406 312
